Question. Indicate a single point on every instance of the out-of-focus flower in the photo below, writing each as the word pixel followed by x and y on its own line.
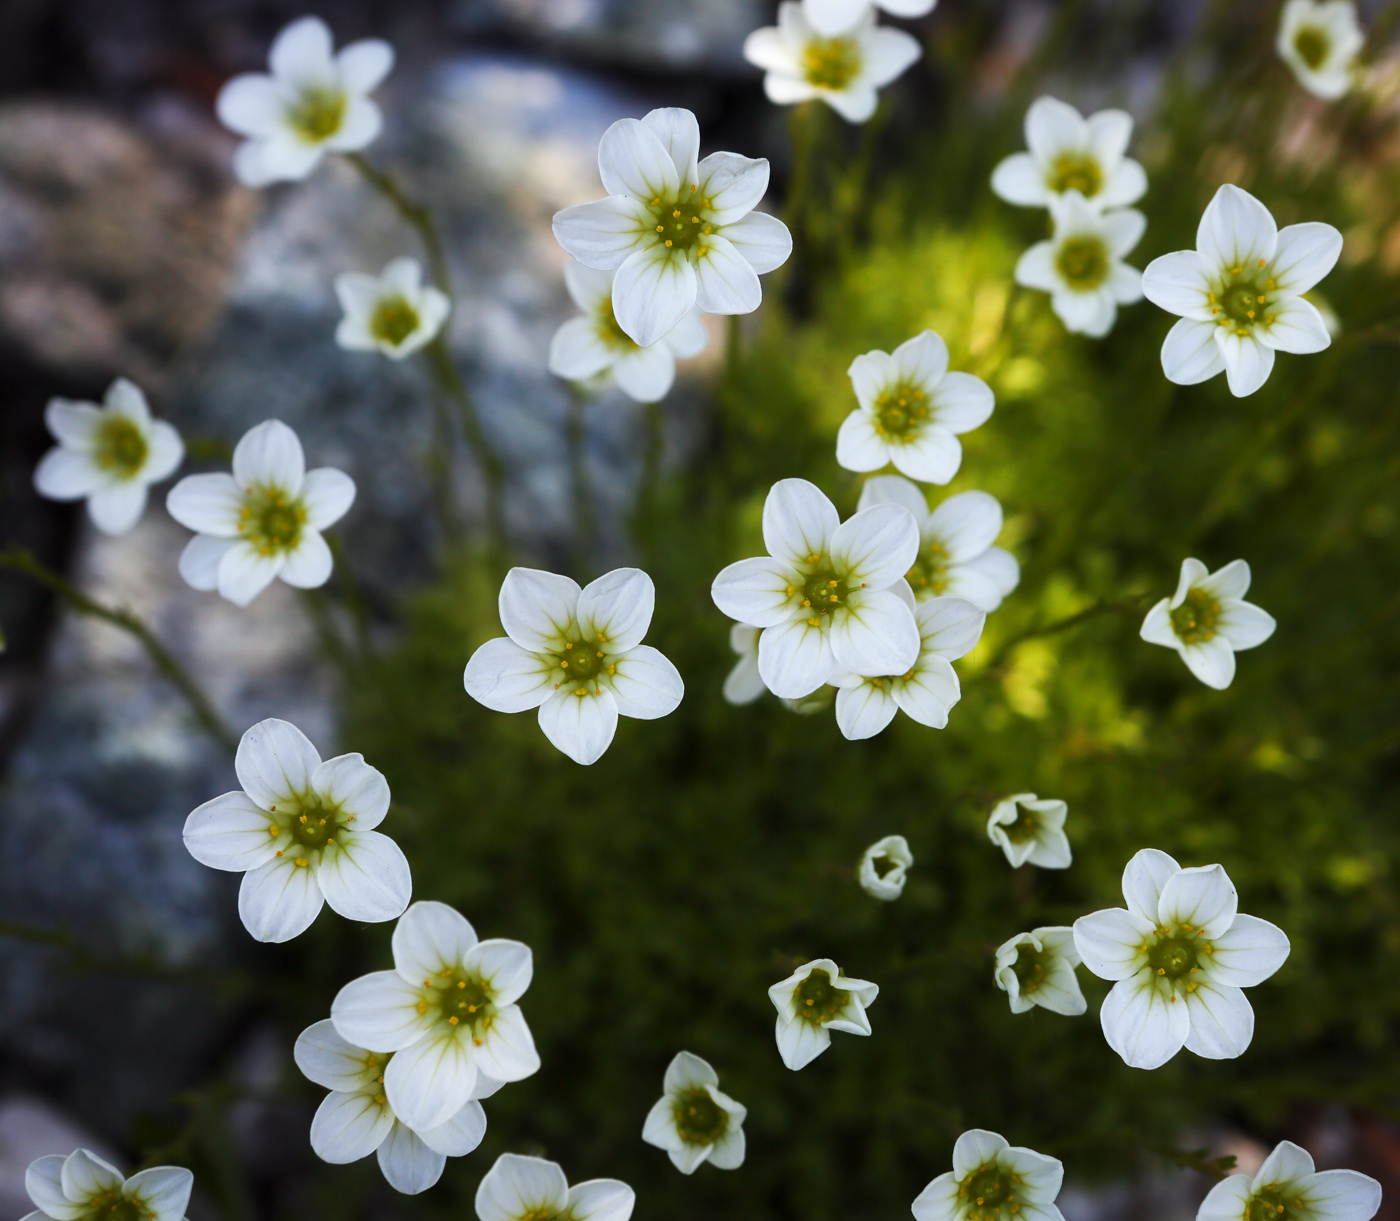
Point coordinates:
pixel 447 1009
pixel 108 455
pixel 263 521
pixel 1071 153
pixel 393 312
pixel 991 1179
pixel 82 1186
pixel 956 556
pixel 693 1121
pixel 1037 968
pixel 1240 293
pixel 520 1188
pixel 576 655
pixel 1181 953
pixel 1319 40
pixel 910 409
pixel 949 628
pixel 302 834
pixel 594 345
pixel 1288 1187
pixel 884 867
pixel 1208 621
pixel 744 684
pixel 355 1118
pixel 825 594
pixel 844 69
pixel 678 231
pixel 812 1002
pixel 314 101
pixel 1031 829
pixel 1082 267
pixel 836 16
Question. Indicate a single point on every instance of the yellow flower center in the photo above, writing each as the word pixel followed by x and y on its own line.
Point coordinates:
pixel 1082 262
pixel 317 114
pixel 831 63
pixel 1313 45
pixel 1076 172
pixel 1195 619
pixel 121 447
pixel 393 320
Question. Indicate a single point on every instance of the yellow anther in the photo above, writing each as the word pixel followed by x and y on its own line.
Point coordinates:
pixel 330 839
pixel 833 584
pixel 791 589
pixel 676 212
pixel 661 228
pixel 1161 970
pixel 694 220
pixel 612 669
pixel 272 830
pixel 452 1021
pixel 476 1042
pixel 813 557
pixel 813 622
pixel 834 598
pixel 600 652
pixel 301 862
pixel 303 818
pixel 279 853
pixel 668 241
pixel 1261 262
pixel 807 1002
pixel 422 1006
pixel 580 692
pixel 806 602
pixel 1249 313
pixel 471 1008
pixel 461 983
pixel 1271 284
pixel 379 1098
pixel 1234 271
pixel 1210 296
pixel 569 644
pixel 1259 300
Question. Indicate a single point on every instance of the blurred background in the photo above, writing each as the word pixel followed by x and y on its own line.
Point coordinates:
pixel 666 887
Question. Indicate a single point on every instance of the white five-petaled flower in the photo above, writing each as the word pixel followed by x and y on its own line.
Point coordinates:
pixel 884 867
pixel 263 521
pixel 1031 829
pixel 108 455
pixel 812 1002
pixel 693 1121
pixel 825 595
pixel 680 232
pixel 1240 293
pixel 302 834
pixel 1180 953
pixel 910 409
pixel 576 655
pixel 393 312
pixel 355 1118
pixel 1037 968
pixel 1207 620
pixel 949 628
pixel 1071 153
pixel 447 1010
pixel 315 101
pixel 594 345
pixel 1319 40
pixel 521 1188
pixel 744 684
pixel 844 69
pixel 837 16
pixel 1081 265
pixel 992 1180
pixel 956 555
pixel 1288 1187
pixel 82 1186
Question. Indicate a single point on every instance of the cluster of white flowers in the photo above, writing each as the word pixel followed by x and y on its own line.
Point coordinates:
pixel 1319 40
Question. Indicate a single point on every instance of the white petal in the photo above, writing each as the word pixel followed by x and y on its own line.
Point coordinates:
pixel 877 546
pixel 1142 1023
pixel 744 684
pixel 938 1201
pixel 1304 254
pixel 601 1200
pixel 1036 268
pixel 537 608
pixel 460 1134
pixel 1051 850
pixel 1123 229
pixel 725 282
pixel 230 832
pixel 1228 1200
pixel 1090 313
pixel 43 1181
pixel 932 457
pixel 894 490
pixel 950 627
pixel 279 157
pixel 1053 127
pixel 633 161
pixel 1109 942
pixel 379 1011
pixel 616 609
pixel 407 1163
pixel 360 125
pixel 1018 180
pixel 783 89
pixel 275 762
pixel 269 455
pixel 966 524
pixel 689 338
pixel 646 685
pixel 733 185
pixel 679 134
pixel 1190 353
pixel 162 1193
pixel 1213 662
pixel 974 1149
pixel 279 900
pixel 1344 1195
pixel 997 565
pixel 588 287
pixel 166 452
pixel 1143 879
pixel 302 52
pixel 252 104
pixel 327 495
pixel 877 635
pixel 861 712
pixel 871 374
pixel 1248 362
pixel 431 1080
pixel 1248 952
pixel 859 447
pixel 755 591
pixel 327 1058
pixel 85 1175
pixel 244 572
pixel 646 374
pixel 357 788
pixel 208 504
pixel 63 474
pixel 1157 627
pixel 365 877
pixel 798 521
pixel 1222 1021
pixel 832 17
pixel 1109 133
pixel 431 938
pixel 1126 185
pixel 962 402
pixel 856 103
pixel 309 565
pixel 763 240
pixel 507 1052
pixel 199 561
pixel 799 1042
pixel 687 1071
pixel 517 1186
pixel 603 232
pixel 727 1153
pixel 1236 230
pixel 115 509
pixel 580 726
pixel 347 1127
pixel 577 352
pixel 888 53
pixel 654 289
pixel 794 659
pixel 363 65
pixel 507 678
pixel 928 696
pixel 766 48
pixel 1296 326
pixel 506 966
pixel 1202 896
pixel 1179 283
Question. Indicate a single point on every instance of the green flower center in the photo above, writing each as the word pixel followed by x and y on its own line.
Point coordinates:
pixel 1313 45
pixel 612 335
pixel 817 999
pixel 1076 172
pixel 1268 1204
pixel 121 446
pixel 582 663
pixel 1242 300
pixel 822 592
pixel 1024 828
pixel 1195 619
pixel 1174 956
pixel 699 1119
pixel 987 1191
pixel 464 1000
pixel 930 572
pixel 310 825
pixel 900 411
pixel 271 520
pixel 831 63
pixel 682 223
pixel 1030 971
pixel 113 1206
pixel 1082 262
pixel 317 114
pixel 883 865
pixel 393 320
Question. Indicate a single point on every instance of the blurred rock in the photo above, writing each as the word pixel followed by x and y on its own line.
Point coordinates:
pixel 32 1128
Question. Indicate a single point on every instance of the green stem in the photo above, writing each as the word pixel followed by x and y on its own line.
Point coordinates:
pixel 585 528
pixel 648 506
pixel 20 559
pixel 350 593
pixel 1121 606
pixel 806 125
pixel 450 381
pixel 414 213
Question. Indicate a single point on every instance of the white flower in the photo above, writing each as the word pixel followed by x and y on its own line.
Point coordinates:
pixel 1071 153
pixel 910 409
pixel 576 655
pixel 263 521
pixel 949 628
pixel 355 1119
pixel 314 102
pixel 1287 1186
pixel 744 684
pixel 1082 267
pixel 991 1179
pixel 884 867
pixel 1180 953
pixel 595 345
pixel 812 1002
pixel 1030 828
pixel 393 312
pixel 1319 40
pixel 1207 620
pixel 302 834
pixel 520 1188
pixel 109 455
pixel 837 16
pixel 448 1009
pixel 679 232
pixel 693 1121
pixel 1037 968
pixel 1240 293
pixel 82 1186
pixel 844 69
pixel 826 593
pixel 956 556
